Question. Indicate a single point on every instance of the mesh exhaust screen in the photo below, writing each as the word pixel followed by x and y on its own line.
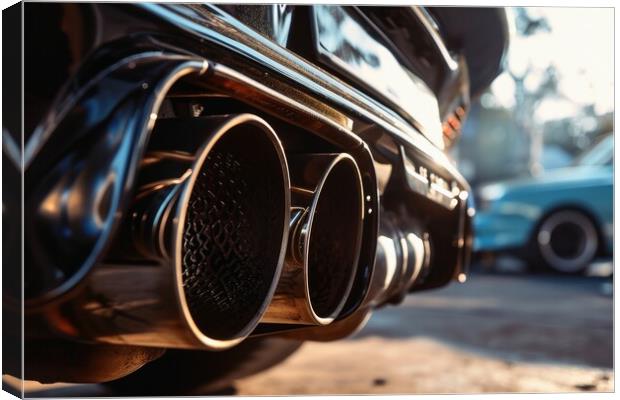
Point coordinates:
pixel 232 235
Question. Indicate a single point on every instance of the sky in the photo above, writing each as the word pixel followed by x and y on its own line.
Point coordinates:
pixel 580 46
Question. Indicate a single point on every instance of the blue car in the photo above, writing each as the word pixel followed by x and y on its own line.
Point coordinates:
pixel 560 220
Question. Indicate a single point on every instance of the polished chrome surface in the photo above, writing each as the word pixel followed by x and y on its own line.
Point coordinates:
pixel 337 330
pixel 266 231
pixel 324 243
pixel 80 165
pixel 402 254
pixel 146 293
pixel 317 118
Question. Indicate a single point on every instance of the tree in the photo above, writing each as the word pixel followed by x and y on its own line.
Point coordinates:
pixel 527 99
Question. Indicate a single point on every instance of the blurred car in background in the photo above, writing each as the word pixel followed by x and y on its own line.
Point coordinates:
pixel 560 220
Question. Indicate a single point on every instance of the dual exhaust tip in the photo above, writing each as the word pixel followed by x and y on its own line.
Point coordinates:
pixel 324 240
pixel 250 235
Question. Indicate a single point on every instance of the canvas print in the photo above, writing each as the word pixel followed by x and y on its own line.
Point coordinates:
pixel 319 199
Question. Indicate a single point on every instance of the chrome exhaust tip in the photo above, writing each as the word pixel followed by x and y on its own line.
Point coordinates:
pixel 202 251
pixel 231 230
pixel 324 240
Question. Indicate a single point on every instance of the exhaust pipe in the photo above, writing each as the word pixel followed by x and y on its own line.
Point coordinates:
pixel 324 240
pixel 199 259
pixel 402 258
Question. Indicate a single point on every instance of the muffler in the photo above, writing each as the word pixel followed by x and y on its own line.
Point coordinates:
pixel 403 256
pixel 324 240
pixel 199 257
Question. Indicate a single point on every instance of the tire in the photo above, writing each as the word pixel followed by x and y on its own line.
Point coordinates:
pixel 566 242
pixel 197 372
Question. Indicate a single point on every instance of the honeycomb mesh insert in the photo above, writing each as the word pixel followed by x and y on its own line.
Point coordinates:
pixel 231 241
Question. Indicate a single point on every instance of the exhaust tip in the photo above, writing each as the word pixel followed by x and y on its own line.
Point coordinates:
pixel 232 224
pixel 324 242
pixel 334 238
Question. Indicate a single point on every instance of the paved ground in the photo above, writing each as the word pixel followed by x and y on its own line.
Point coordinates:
pixel 498 332
pixel 495 333
pixel 532 318
pixel 416 365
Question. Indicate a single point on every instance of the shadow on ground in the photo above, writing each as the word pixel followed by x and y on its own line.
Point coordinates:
pixel 548 318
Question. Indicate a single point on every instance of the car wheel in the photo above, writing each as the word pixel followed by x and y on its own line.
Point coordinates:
pixel 566 242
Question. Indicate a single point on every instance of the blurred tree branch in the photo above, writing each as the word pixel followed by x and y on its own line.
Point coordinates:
pixel 527 101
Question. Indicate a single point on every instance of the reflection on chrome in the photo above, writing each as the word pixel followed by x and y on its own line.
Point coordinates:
pixel 351 47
